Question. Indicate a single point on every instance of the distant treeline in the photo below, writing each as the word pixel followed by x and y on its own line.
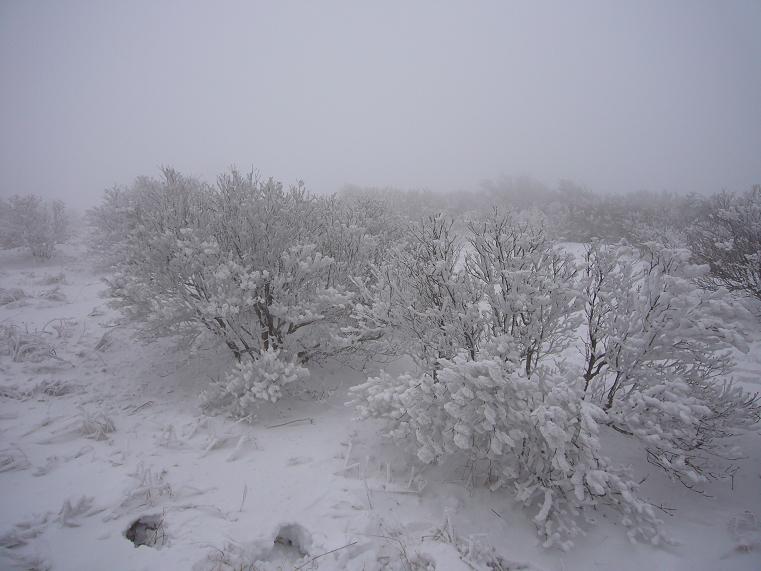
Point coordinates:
pixel 575 213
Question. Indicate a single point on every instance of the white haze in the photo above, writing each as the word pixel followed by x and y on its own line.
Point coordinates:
pixel 618 96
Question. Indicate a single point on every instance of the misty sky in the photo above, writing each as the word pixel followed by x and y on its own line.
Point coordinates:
pixel 618 96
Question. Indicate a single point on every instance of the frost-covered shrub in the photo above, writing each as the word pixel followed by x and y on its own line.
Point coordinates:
pixel 239 260
pixel 728 238
pixel 442 291
pixel 419 303
pixel 96 426
pixel 11 295
pixel 283 306
pixel 537 435
pixel 528 283
pixel 359 234
pixel 250 383
pixel 30 222
pixel 129 219
pixel 658 356
pixel 269 271
pixel 23 346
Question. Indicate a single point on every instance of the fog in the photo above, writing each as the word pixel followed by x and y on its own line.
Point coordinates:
pixel 615 96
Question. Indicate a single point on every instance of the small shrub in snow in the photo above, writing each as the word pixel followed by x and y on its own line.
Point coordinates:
pixel 53 294
pixel 96 426
pixel 267 270
pixel 22 346
pixel 252 263
pixel 745 529
pixel 475 553
pixel 528 283
pixel 173 272
pixel 418 304
pixel 728 238
pixel 251 383
pixel 72 512
pixel 148 488
pixel 13 459
pixel 10 295
pixel 658 356
pixel 29 222
pixel 45 388
pixel 537 436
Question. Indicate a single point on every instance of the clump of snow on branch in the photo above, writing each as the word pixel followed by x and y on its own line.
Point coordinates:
pixel 252 382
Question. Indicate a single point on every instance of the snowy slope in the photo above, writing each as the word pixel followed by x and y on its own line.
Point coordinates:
pixel 108 430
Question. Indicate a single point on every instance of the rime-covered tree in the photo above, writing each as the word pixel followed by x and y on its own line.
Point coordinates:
pixel 240 260
pixel 237 260
pixel 656 362
pixel 657 355
pixel 30 222
pixel 728 238
pixel 428 308
pixel 528 283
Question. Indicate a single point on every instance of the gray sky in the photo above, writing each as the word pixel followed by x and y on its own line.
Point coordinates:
pixel 617 96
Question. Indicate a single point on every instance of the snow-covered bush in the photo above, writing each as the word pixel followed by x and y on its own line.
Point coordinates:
pixel 656 362
pixel 30 222
pixel 96 426
pixel 536 435
pixel 23 346
pixel 528 281
pixel 424 305
pixel 150 207
pixel 238 260
pixel 728 238
pixel 269 271
pixel 658 355
pixel 11 295
pixel 358 234
pixel 250 383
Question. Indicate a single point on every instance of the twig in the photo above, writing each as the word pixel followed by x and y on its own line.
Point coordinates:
pixel 326 553
pixel 245 493
pixel 496 514
pixel 394 491
pixel 145 404
pixel 311 421
pixel 367 491
pixel 664 509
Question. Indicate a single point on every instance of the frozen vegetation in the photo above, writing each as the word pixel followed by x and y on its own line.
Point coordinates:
pixel 246 376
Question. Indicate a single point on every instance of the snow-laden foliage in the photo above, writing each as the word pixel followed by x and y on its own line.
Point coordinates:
pixel 528 283
pixel 537 435
pixel 251 382
pixel 728 238
pixel 239 260
pixel 657 354
pixel 31 222
pixel 426 308
pixel 358 234
pixel 270 271
pixel 656 363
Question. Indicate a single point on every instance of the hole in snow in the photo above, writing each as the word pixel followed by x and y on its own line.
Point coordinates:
pixel 147 530
pixel 292 542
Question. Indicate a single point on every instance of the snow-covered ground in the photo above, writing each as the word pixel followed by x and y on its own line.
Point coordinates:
pixel 104 439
